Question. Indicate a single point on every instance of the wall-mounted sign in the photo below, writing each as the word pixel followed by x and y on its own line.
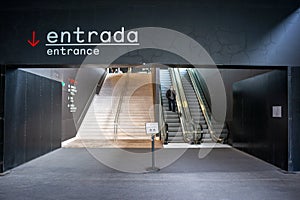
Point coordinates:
pixel 277 111
pixel 72 90
pixel 79 42
pixel 152 128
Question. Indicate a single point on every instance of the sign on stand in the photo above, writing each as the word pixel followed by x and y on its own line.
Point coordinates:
pixel 152 129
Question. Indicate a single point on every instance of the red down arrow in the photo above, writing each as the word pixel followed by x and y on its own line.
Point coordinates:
pixel 33 42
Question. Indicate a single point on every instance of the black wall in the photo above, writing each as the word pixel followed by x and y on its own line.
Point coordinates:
pixel 86 78
pixel 255 130
pixel 234 32
pixel 32 117
pixel 2 89
pixel 294 117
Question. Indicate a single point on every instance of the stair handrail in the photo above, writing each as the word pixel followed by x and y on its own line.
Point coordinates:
pixel 118 110
pixel 182 106
pixel 207 116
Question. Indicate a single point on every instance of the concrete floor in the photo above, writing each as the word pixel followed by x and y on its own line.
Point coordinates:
pixel 223 174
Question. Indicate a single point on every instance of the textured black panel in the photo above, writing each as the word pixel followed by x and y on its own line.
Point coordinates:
pixel 33 117
pixel 295 134
pixel 86 78
pixel 233 32
pixel 2 90
pixel 56 100
pixel 255 131
pixel 15 115
pixel 45 90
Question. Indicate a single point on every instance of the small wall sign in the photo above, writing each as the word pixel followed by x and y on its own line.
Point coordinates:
pixel 277 111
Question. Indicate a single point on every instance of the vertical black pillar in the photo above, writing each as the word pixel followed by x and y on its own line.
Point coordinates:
pixel 290 121
pixel 2 89
pixel 156 91
pixel 294 118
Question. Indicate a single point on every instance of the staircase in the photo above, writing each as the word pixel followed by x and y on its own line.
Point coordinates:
pixel 171 118
pixel 98 126
pixel 195 110
pixel 137 107
pixel 98 123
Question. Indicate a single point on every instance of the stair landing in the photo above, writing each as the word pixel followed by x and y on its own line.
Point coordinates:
pixel 85 143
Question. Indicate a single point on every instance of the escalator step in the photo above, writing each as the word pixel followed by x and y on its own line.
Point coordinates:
pixel 175 134
pixel 174 124
pixel 175 120
pixel 174 129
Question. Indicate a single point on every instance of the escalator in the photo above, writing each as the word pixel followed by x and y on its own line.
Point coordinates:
pixel 172 119
pixel 193 121
pixel 193 104
pixel 198 83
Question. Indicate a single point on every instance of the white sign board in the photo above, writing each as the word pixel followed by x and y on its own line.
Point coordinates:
pixel 152 128
pixel 276 111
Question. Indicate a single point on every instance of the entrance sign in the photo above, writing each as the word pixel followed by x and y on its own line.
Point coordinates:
pixel 80 42
pixel 81 37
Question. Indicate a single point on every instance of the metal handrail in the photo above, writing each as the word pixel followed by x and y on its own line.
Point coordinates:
pixel 183 97
pixel 162 121
pixel 205 112
pixel 194 131
pixel 118 110
pixel 182 106
pixel 202 87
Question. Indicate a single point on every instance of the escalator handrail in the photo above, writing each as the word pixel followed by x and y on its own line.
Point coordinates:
pixel 162 121
pixel 207 115
pixel 183 98
pixel 185 116
pixel 202 86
